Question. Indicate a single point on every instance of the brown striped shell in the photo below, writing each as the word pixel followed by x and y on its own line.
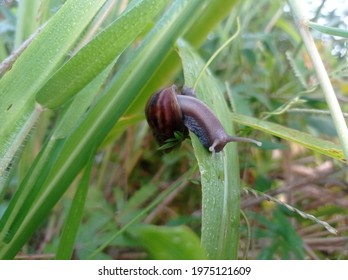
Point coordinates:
pixel 164 115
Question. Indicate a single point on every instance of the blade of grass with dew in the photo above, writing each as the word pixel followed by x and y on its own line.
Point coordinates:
pixel 130 79
pixel 97 54
pixel 41 57
pixel 8 61
pixel 219 173
pixel 80 104
pixel 73 221
pixel 311 142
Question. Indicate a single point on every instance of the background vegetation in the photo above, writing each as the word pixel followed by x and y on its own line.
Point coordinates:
pixel 80 173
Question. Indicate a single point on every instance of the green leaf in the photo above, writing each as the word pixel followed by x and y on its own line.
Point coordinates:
pixel 169 243
pixel 334 31
pixel 322 146
pixel 97 54
pixel 75 111
pixel 219 172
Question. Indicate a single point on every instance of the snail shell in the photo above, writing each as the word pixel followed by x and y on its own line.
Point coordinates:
pixel 164 115
pixel 167 112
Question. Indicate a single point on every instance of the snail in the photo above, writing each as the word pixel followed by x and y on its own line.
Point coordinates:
pixel 167 112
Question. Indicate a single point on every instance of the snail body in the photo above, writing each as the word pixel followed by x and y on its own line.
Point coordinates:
pixel 167 112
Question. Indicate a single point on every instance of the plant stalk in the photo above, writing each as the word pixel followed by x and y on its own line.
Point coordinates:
pixel 298 9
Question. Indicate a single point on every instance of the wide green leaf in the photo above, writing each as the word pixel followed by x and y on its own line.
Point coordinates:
pixel 169 243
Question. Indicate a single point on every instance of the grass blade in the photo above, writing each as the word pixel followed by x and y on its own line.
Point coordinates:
pixel 97 54
pixel 73 221
pixel 219 173
pixel 333 31
pixel 311 142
